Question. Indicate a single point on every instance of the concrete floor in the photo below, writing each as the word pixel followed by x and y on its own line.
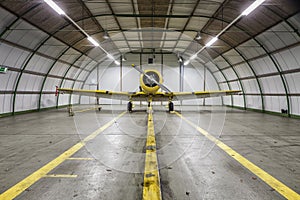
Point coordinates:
pixel 191 166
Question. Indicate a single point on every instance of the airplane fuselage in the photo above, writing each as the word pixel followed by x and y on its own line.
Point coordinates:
pixel 147 84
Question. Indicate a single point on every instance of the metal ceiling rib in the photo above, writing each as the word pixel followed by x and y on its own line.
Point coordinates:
pixel 187 22
pixel 117 21
pixel 31 56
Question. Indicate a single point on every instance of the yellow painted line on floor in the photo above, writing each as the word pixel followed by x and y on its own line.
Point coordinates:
pixel 60 176
pixel 80 158
pixel 151 188
pixel 263 175
pixel 43 171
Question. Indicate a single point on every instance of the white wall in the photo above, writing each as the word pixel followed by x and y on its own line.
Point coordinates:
pixel 109 78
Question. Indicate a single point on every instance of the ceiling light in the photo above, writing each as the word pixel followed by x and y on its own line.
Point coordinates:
pixel 252 7
pixel 193 56
pixel 117 62
pixel 105 35
pixel 186 62
pixel 110 56
pixel 93 41
pixel 211 41
pixel 198 36
pixel 55 7
pixel 124 58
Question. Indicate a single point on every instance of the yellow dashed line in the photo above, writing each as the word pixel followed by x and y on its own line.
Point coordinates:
pixel 43 171
pixel 263 175
pixel 151 188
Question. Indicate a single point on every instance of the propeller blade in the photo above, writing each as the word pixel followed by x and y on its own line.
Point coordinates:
pixel 162 86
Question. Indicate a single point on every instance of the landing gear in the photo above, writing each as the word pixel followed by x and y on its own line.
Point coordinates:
pixel 129 106
pixel 171 106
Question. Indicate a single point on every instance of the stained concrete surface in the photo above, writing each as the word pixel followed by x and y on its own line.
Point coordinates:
pixel 191 167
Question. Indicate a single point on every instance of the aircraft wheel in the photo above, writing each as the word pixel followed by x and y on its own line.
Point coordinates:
pixel 129 106
pixel 171 106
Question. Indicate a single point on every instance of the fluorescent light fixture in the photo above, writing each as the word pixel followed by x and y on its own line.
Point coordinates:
pixel 117 62
pixel 193 57
pixel 93 41
pixel 211 41
pixel 55 7
pixel 186 62
pixel 110 56
pixel 252 7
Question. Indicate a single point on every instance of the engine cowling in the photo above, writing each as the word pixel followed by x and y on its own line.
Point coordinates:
pixel 149 86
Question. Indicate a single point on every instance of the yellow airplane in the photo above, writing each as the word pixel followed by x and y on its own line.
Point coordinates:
pixel 150 82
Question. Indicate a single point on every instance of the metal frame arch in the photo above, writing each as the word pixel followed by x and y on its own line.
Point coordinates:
pixel 84 82
pixel 238 77
pixel 79 73
pixel 25 60
pixel 90 71
pixel 279 69
pixel 226 80
pixel 82 69
pixel 64 77
pixel 216 81
pixel 34 50
pixel 284 82
pixel 242 87
pixel 274 63
pixel 46 76
pixel 253 37
pixel 93 70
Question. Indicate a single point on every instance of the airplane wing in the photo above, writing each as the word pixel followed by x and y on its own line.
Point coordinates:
pixel 142 96
pixel 178 96
pixel 128 96
pixel 203 94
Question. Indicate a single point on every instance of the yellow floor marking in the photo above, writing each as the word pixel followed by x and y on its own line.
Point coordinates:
pixel 80 158
pixel 151 188
pixel 263 175
pixel 60 176
pixel 43 171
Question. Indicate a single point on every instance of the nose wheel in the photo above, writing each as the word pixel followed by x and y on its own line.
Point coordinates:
pixel 129 106
pixel 171 106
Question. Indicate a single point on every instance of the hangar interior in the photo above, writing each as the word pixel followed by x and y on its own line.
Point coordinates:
pixel 197 45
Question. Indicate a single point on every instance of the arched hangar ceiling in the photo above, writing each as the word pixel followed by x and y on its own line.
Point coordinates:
pixel 258 53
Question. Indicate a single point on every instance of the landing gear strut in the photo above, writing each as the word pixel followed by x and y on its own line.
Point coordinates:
pixel 129 106
pixel 171 106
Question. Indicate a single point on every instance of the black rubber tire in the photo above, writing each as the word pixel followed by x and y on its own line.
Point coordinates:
pixel 129 107
pixel 171 106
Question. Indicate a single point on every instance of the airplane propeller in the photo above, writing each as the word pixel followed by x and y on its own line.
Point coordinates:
pixel 162 86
